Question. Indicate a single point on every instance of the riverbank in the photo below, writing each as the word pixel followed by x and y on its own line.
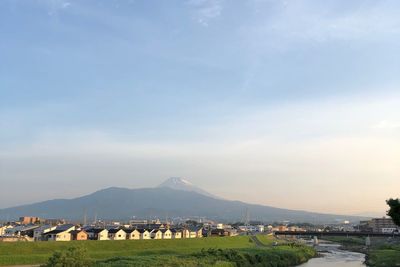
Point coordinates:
pixel 333 256
pixel 212 251
pixel 382 252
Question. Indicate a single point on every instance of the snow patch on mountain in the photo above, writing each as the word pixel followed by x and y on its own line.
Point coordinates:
pixel 179 183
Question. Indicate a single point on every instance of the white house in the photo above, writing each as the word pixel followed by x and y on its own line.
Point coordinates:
pixel 116 234
pixel 166 233
pixel 156 234
pixel 58 235
pixel 144 234
pixel 132 234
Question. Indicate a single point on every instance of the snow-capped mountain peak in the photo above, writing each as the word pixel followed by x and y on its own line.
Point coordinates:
pixel 179 183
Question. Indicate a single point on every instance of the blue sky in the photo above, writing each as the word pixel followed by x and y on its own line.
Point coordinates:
pixel 127 93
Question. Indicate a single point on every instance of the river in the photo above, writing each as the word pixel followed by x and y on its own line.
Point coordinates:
pixel 333 256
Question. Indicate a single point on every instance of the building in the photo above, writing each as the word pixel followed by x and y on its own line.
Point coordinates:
pixel 215 232
pixel 260 228
pixel 220 232
pixel 156 225
pixel 176 234
pixel 232 232
pixel 21 230
pixel 3 229
pixel 156 234
pixel 134 223
pixel 116 234
pixel 248 228
pixel 220 226
pixel 79 235
pixel 132 234
pixel 61 233
pixel 146 225
pixel 29 220
pixel 282 228
pixel 383 225
pixel 166 233
pixel 144 234
pixel 193 232
pixel 66 227
pixel 185 233
pixel 58 235
pixel 97 234
pixel 54 221
pixel 38 233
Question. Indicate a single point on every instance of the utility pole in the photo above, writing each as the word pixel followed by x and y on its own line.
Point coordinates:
pixel 85 217
pixel 247 217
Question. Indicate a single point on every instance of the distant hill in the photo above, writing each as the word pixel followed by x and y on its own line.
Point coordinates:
pixel 121 204
pixel 371 214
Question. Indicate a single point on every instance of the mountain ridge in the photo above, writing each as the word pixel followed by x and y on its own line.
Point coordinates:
pixel 118 203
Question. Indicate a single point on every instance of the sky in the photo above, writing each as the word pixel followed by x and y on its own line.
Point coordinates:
pixel 293 104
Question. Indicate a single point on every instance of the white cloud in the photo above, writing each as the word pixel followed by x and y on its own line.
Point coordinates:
pixel 55 6
pixel 311 21
pixel 65 4
pixel 206 10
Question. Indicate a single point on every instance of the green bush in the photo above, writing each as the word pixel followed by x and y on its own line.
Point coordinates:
pixel 71 257
pixel 273 257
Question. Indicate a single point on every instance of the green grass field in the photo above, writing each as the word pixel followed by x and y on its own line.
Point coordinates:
pixel 144 250
pixel 385 255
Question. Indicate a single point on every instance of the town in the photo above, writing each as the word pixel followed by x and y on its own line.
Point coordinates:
pixel 38 229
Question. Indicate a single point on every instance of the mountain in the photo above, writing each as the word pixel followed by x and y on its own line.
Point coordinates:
pixel 178 183
pixel 121 204
pixel 371 214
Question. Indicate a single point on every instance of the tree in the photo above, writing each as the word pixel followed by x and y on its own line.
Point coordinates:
pixel 394 211
pixel 72 257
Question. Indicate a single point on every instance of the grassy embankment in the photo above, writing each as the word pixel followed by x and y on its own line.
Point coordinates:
pixel 380 253
pixel 215 251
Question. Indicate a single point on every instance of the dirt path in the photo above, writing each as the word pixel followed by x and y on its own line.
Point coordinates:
pixel 256 241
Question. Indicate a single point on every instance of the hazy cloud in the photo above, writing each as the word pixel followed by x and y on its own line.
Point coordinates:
pixel 320 145
pixel 385 124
